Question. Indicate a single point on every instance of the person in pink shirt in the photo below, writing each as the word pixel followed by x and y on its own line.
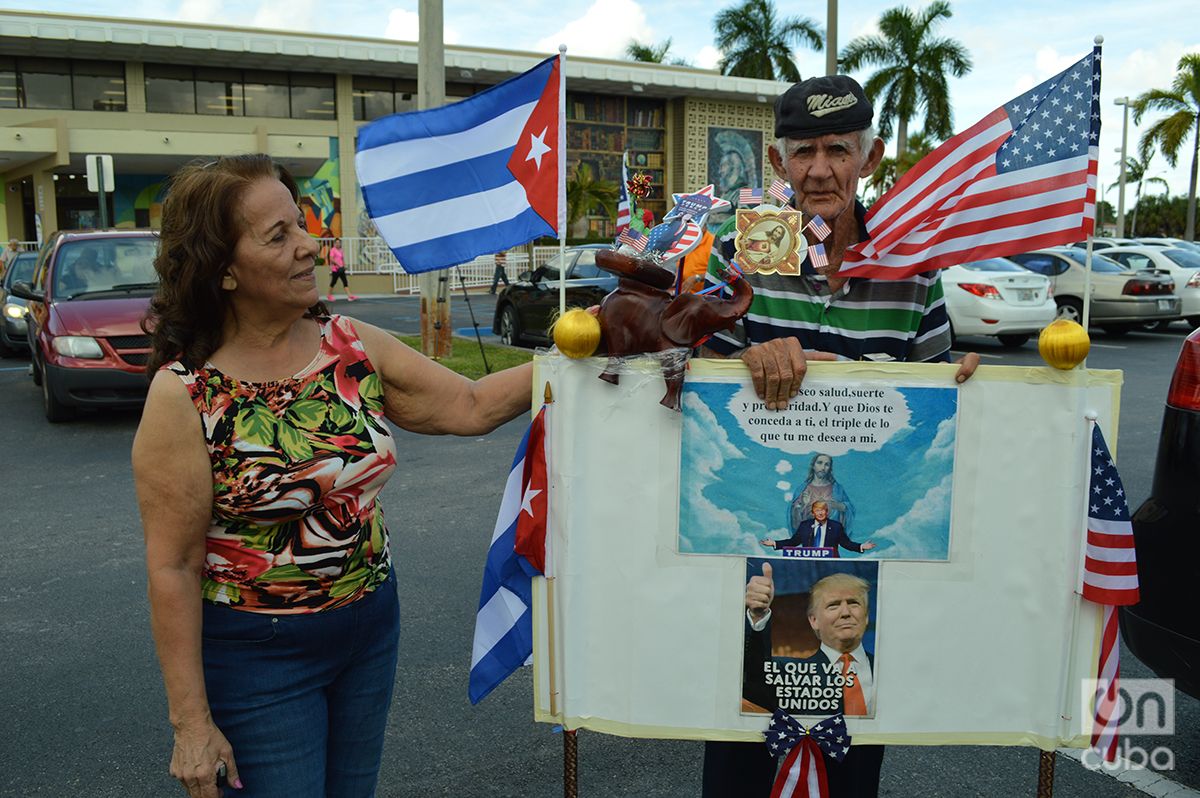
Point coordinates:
pixel 337 270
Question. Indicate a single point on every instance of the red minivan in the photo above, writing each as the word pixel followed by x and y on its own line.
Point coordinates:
pixel 89 293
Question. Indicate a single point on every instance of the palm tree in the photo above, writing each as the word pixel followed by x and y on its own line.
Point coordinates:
pixel 757 43
pixel 586 193
pixel 1182 105
pixel 652 53
pixel 913 67
pixel 1135 172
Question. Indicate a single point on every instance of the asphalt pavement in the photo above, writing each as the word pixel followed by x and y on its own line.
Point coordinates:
pixel 83 704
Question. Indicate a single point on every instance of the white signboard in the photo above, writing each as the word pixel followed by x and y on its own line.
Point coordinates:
pixel 97 164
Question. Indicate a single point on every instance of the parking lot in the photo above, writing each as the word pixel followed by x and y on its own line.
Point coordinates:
pixel 84 706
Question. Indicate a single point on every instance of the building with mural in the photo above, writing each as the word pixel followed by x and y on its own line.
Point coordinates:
pixel 157 95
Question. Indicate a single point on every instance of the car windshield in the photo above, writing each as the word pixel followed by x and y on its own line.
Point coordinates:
pixel 993 265
pixel 1184 257
pixel 1100 263
pixel 102 265
pixel 21 269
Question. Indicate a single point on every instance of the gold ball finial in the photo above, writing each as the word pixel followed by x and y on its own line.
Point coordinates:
pixel 1064 344
pixel 577 333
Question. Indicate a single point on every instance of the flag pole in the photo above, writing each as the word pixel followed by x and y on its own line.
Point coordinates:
pixel 1087 292
pixel 562 178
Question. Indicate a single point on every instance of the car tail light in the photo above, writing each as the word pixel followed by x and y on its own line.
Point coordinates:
pixel 981 290
pixel 1185 383
pixel 1194 280
pixel 1147 287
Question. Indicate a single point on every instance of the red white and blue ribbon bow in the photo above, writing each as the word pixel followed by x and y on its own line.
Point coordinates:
pixel 802 774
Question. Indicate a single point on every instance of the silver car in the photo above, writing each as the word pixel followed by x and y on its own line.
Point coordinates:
pixel 14 338
pixel 1122 299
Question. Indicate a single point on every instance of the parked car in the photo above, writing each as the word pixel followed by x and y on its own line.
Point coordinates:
pixel 13 340
pixel 1162 630
pixel 1177 243
pixel 1121 299
pixel 1100 242
pixel 1183 266
pixel 526 308
pixel 997 297
pixel 89 293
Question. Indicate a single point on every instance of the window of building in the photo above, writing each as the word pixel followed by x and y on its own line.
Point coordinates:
pixel 98 85
pixel 266 94
pixel 44 82
pixel 170 89
pixel 219 92
pixel 373 98
pixel 313 97
pixel 8 83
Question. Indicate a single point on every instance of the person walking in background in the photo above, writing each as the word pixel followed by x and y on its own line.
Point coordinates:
pixel 258 463
pixel 337 270
pixel 9 255
pixel 499 273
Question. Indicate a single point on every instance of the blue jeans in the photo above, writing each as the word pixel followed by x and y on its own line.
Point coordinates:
pixel 303 699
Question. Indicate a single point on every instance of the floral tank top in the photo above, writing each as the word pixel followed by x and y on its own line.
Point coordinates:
pixel 297 467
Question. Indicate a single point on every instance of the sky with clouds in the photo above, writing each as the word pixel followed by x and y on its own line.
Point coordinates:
pixel 1014 45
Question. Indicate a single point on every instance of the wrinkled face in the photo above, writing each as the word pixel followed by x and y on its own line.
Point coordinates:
pixel 273 261
pixel 820 512
pixel 839 617
pixel 824 171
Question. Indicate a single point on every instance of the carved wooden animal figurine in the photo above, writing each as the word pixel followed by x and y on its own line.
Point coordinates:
pixel 642 316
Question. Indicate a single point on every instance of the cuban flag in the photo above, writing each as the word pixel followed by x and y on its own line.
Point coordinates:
pixel 479 176
pixel 504 622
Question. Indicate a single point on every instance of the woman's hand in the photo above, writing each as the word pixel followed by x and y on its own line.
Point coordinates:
pixel 200 748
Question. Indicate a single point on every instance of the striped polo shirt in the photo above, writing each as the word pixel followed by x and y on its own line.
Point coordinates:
pixel 865 319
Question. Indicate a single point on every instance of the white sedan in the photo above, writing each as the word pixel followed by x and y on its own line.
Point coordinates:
pixel 1182 264
pixel 997 297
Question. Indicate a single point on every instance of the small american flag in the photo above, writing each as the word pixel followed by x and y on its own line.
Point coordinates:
pixel 1109 577
pixel 818 227
pixel 623 205
pixel 817 256
pixel 633 238
pixel 750 196
pixel 1022 178
pixel 781 191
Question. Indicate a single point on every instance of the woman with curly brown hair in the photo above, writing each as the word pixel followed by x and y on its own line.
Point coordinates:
pixel 258 463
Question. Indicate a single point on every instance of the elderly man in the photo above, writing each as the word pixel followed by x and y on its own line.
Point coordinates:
pixel 824 145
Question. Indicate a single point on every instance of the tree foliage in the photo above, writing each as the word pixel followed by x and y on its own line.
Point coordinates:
pixel 586 193
pixel 1181 104
pixel 913 65
pixel 757 43
pixel 892 169
pixel 652 53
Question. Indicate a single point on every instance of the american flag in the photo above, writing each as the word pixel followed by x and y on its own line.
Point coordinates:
pixel 818 227
pixel 504 621
pixel 633 238
pixel 750 196
pixel 817 256
pixel 781 191
pixel 623 208
pixel 1022 178
pixel 1109 577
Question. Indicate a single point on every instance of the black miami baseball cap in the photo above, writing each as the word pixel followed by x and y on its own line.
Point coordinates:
pixel 818 106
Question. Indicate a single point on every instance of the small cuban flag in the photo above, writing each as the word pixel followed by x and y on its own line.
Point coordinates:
pixel 504 621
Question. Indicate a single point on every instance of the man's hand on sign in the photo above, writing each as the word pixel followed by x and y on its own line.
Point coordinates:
pixel 966 367
pixel 777 368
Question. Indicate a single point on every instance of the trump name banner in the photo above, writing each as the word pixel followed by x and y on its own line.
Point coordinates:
pixel 981 638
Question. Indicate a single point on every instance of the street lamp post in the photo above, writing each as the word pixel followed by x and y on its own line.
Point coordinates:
pixel 1124 102
pixel 831 60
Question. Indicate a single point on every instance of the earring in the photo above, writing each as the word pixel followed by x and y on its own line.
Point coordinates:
pixel 228 282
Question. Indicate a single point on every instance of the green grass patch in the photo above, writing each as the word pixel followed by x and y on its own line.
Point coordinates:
pixel 467 361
